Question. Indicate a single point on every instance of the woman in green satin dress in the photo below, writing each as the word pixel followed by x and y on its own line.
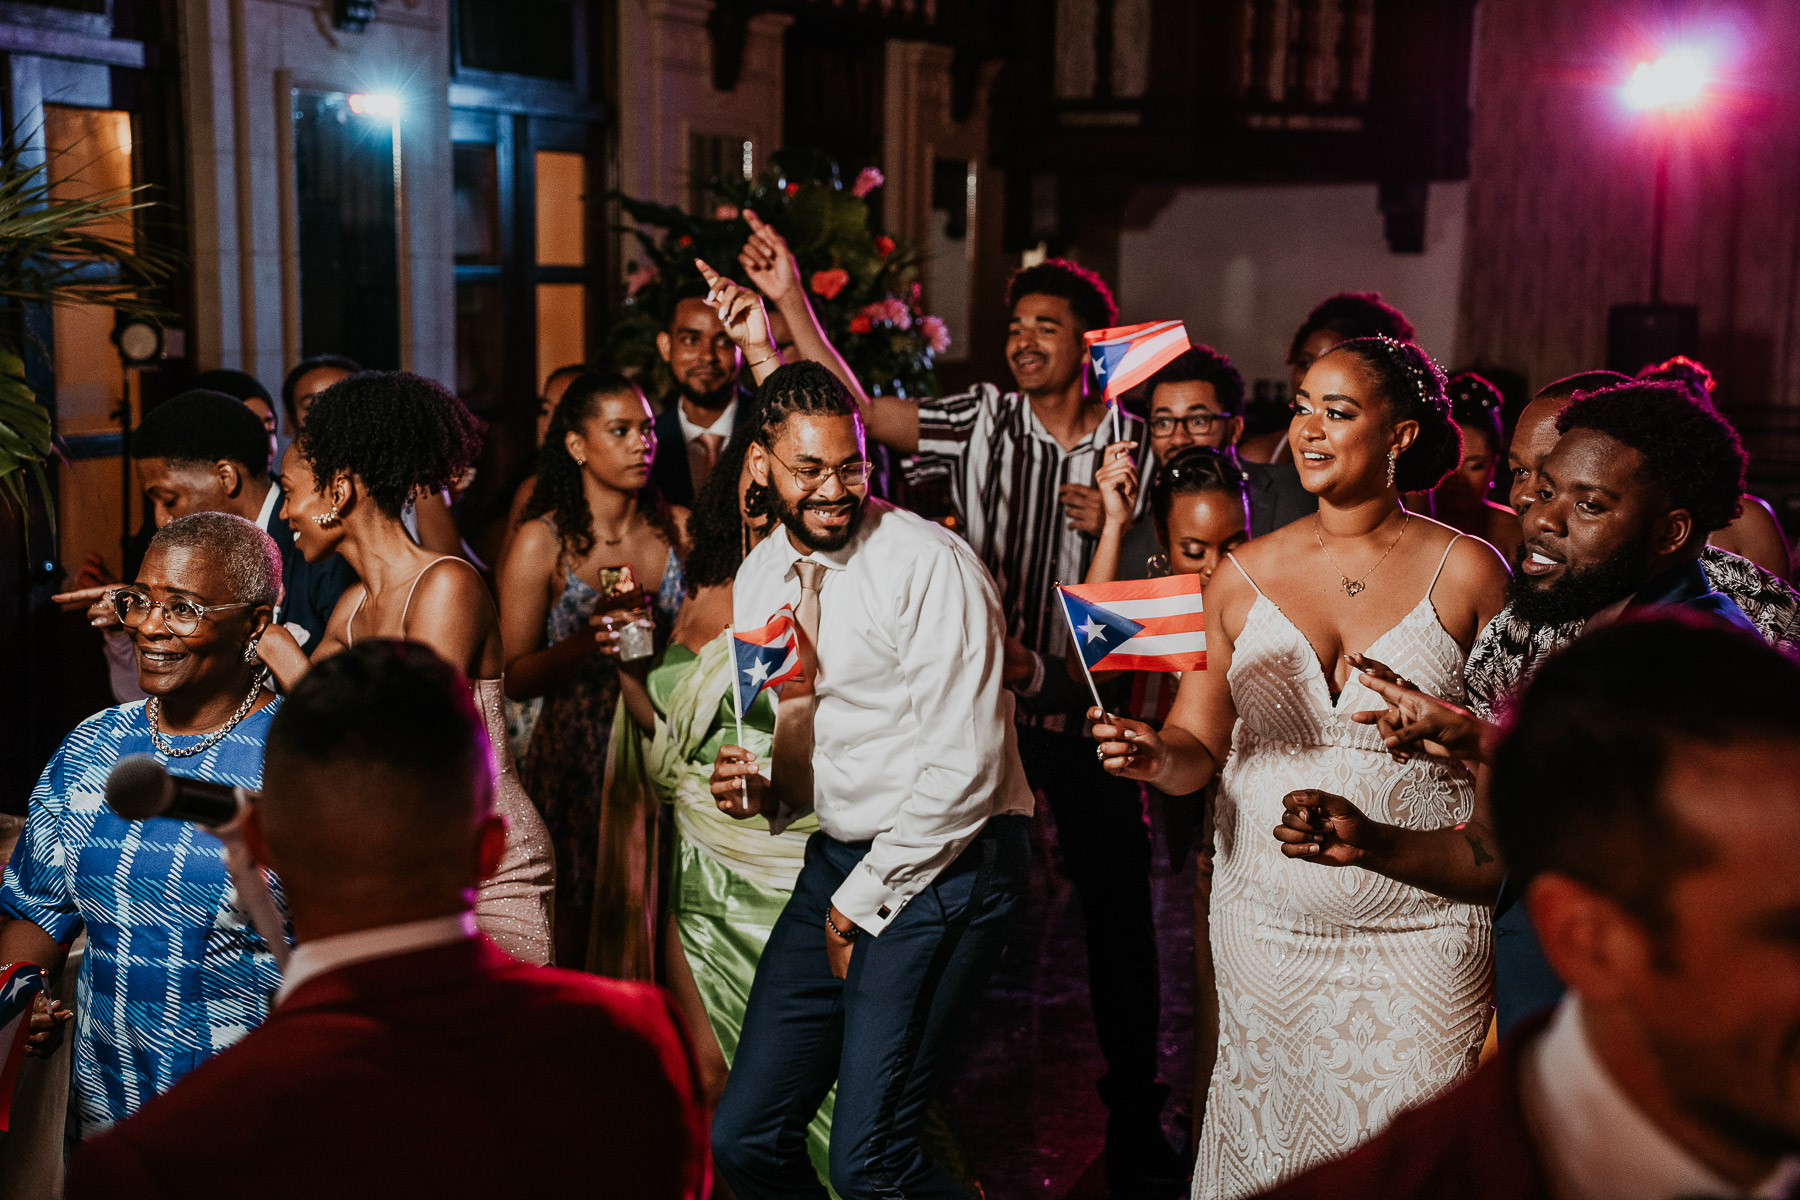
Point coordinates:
pixel 730 879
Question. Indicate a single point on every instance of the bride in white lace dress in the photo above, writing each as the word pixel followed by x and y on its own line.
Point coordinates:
pixel 1345 997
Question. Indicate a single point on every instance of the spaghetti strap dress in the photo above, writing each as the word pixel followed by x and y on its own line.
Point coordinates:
pixel 564 765
pixel 1345 997
pixel 514 906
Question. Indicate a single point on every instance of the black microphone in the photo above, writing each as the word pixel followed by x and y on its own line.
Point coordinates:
pixel 139 788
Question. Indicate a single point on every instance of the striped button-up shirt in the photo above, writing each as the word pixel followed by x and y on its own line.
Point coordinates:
pixel 1006 470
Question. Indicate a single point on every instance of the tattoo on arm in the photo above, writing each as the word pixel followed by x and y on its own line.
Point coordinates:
pixel 1479 850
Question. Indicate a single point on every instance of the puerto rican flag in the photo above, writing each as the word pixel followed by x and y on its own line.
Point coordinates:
pixel 20 985
pixel 1138 624
pixel 765 657
pixel 1126 355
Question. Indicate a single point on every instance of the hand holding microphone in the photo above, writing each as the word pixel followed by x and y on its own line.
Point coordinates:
pixel 138 788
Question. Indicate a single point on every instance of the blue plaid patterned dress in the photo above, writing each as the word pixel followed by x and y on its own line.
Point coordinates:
pixel 173 972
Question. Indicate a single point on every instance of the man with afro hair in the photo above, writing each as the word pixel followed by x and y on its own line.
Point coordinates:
pixel 1615 527
pixel 1644 472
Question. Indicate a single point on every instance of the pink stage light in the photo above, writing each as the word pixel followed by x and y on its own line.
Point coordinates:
pixel 1676 80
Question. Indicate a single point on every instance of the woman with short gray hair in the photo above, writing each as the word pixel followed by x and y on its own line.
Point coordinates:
pixel 173 972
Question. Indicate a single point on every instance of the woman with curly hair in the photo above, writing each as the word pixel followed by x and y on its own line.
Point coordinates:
pixel 368 444
pixel 592 512
pixel 1344 997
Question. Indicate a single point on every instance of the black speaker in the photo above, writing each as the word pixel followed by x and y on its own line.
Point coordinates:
pixel 1640 334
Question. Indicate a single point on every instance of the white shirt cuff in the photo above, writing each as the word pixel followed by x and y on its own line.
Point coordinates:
pixel 866 900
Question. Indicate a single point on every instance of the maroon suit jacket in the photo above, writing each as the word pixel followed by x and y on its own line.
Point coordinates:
pixel 1472 1143
pixel 450 1072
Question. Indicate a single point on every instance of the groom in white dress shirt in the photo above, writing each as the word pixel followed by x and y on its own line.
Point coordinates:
pixel 908 891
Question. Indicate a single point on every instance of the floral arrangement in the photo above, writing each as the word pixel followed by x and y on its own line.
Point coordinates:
pixel 863 285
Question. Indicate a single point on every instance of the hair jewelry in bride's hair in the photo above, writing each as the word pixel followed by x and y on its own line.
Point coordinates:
pixel 1426 375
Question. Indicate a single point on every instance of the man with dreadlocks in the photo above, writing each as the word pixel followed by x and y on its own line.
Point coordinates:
pixel 901 740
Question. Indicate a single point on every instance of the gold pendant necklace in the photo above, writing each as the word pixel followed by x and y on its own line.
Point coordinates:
pixel 1353 586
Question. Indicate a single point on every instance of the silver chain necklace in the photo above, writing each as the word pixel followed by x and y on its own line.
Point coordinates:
pixel 153 709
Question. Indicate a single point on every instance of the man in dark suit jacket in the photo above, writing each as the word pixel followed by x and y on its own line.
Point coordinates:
pixel 407 1055
pixel 708 403
pixel 1652 826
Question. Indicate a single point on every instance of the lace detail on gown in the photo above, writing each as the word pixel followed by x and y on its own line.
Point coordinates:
pixel 1344 996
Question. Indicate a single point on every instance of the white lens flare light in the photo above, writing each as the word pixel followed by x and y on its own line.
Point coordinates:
pixel 375 104
pixel 1676 80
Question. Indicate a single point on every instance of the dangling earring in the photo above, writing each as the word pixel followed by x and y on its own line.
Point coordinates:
pixel 326 519
pixel 250 650
pixel 1393 458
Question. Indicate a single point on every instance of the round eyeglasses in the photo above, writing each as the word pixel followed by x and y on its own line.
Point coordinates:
pixel 853 475
pixel 182 617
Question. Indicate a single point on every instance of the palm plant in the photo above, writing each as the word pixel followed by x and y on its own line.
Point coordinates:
pixel 54 250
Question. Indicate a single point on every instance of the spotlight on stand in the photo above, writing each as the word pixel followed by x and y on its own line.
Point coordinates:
pixel 1638 334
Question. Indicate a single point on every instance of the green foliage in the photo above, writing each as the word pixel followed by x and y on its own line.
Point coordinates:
pixel 874 319
pixel 51 253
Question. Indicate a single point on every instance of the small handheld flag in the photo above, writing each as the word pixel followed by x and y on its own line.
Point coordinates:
pixel 1138 624
pixel 764 657
pixel 1126 355
pixel 20 986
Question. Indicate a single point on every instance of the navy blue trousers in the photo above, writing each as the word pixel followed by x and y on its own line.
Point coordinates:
pixel 880 1034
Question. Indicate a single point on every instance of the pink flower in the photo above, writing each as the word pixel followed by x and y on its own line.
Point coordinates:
pixel 936 333
pixel 884 245
pixel 639 278
pixel 867 180
pixel 860 324
pixel 889 312
pixel 829 283
pixel 725 212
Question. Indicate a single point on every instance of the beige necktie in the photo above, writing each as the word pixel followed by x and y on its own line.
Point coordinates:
pixel 703 455
pixel 790 757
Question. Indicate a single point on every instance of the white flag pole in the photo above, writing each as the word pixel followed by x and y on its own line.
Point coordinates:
pixel 1062 599
pixel 737 707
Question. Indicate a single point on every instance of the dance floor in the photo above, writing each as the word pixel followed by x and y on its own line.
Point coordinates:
pixel 1022 1089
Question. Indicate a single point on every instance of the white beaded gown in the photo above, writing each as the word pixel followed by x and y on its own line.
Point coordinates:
pixel 1344 997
